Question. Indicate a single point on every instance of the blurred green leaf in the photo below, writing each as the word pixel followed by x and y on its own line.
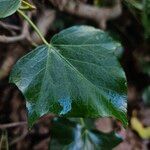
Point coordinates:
pixel 68 135
pixel 134 3
pixel 8 7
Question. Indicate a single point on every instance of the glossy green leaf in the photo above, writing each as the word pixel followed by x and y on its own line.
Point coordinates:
pixel 67 135
pixel 8 7
pixel 78 75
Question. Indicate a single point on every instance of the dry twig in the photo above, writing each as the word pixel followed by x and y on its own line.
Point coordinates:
pixel 25 34
pixel 11 125
pixel 11 39
pixel 9 26
pixel 99 15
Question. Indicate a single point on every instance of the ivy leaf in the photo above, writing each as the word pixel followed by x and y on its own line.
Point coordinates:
pixel 68 135
pixel 8 7
pixel 77 75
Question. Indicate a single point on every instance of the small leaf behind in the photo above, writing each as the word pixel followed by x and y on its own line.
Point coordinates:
pixel 8 7
pixel 67 135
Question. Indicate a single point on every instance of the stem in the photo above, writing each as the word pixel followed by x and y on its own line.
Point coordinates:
pixel 82 122
pixel 11 125
pixel 33 25
pixel 28 5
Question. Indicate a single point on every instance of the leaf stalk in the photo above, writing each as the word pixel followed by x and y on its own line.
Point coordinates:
pixel 33 26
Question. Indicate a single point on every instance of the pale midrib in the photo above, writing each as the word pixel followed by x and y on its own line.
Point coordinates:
pixel 90 63
pixel 45 72
pixel 74 45
pixel 43 80
pixel 93 53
